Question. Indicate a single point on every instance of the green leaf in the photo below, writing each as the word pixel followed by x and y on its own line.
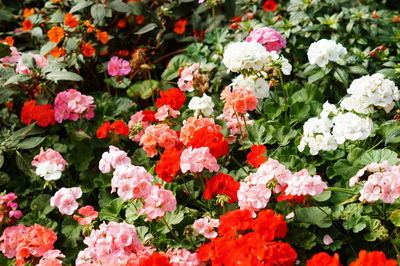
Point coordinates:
pixel 317 76
pixel 5 94
pixel 121 7
pixel 358 70
pixel 324 196
pixel 284 135
pixel 63 75
pixel 98 12
pixel 111 211
pixel 147 28
pixel 17 79
pixel 1 159
pixel 47 48
pixel 143 89
pixel 343 168
pixel 80 6
pixel 378 156
pixel 131 212
pixel 30 143
pixel 299 111
pixel 176 63
pixel 341 75
pixel 4 50
pixel 314 216
pixel 395 217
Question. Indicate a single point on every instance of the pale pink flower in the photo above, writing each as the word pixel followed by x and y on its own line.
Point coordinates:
pixel 112 159
pixel 157 203
pixel 112 244
pixel 11 238
pixel 206 226
pixel 327 240
pixel 118 67
pixel 50 258
pixel 13 58
pixel 185 81
pixel 197 159
pixel 236 123
pixel 253 197
pixel 131 182
pixel 270 38
pixel 88 213
pixel 166 111
pixel 65 199
pixel 302 183
pixel 72 105
pixel 22 68
pixel 372 167
pixel 160 135
pixel 182 257
pixel 40 60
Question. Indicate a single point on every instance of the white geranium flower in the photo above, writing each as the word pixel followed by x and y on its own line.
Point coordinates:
pixel 203 105
pixel 321 52
pixel 349 126
pixel 259 86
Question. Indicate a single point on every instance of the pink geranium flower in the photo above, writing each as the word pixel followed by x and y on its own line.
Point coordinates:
pixel 65 199
pixel 88 213
pixel 157 203
pixel 270 38
pixel 206 226
pixel 72 105
pixel 118 67
pixel 197 159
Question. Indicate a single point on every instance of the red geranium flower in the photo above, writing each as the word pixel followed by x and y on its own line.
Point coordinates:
pixel 169 164
pixel 118 127
pixel 323 258
pixel 222 184
pixel 102 132
pixel 175 98
pixel 43 114
pixel 180 27
pixel 290 198
pixel 269 5
pixel 156 259
pixel 255 157
pixel 373 258
pixel 214 140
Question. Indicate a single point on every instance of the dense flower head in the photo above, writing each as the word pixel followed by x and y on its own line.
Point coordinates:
pixel 118 67
pixel 222 184
pixel 382 184
pixel 112 159
pixel 88 215
pixel 157 203
pixel 70 20
pixel 174 97
pixel 49 164
pixel 259 86
pixel 270 38
pixel 373 258
pixel 254 157
pixel 158 135
pixel 321 52
pixel 72 105
pixel 325 259
pixel 56 34
pixel 166 111
pixel 302 183
pixel 50 258
pixel 253 197
pixel 270 225
pixel 65 199
pixel 368 92
pixel 113 243
pixel 202 105
pixel 139 122
pixel 169 165
pixel 182 257
pixel 234 221
pixel 9 209
pixel 10 239
pixel 42 114
pixel 119 127
pixel 185 81
pixel 239 100
pixel 349 126
pixel 195 160
pixel 131 182
pixel 236 124
pixel 205 226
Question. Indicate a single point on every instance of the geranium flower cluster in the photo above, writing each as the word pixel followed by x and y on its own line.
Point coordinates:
pixel 26 243
pixel 364 258
pixel 72 105
pixel 270 38
pixel 332 128
pixel 88 215
pixel 42 114
pixel 134 182
pixel 118 67
pixel 254 192
pixel 368 92
pixel 382 183
pixel 252 57
pixel 9 212
pixel 205 226
pixel 118 243
pixel 65 199
pixel 222 184
pixel 248 241
pixel 202 106
pixel 118 127
pixel 321 52
pixel 20 59
pixel 49 164
pixel 187 77
pixel 259 86
pixel 139 122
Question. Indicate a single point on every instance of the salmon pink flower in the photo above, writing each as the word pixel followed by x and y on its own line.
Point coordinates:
pixel 72 105
pixel 65 199
pixel 205 226
pixel 88 213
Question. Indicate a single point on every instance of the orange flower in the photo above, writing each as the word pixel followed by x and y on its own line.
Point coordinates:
pixel 27 25
pixel 139 19
pixel 180 26
pixel 90 27
pixel 55 1
pixel 121 23
pixel 70 20
pixel 87 49
pixel 8 40
pixel 269 5
pixel 28 12
pixel 56 34
pixel 102 36
pixel 57 52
